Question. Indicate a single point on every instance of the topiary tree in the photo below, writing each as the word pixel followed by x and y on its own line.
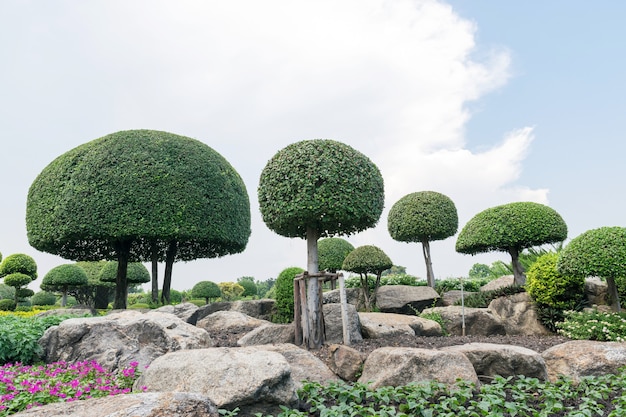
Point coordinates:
pixel 15 269
pixel 139 195
pixel 365 260
pixel 18 280
pixel 231 290
pixel 62 278
pixel 547 286
pixel 598 252
pixel 248 285
pixel 43 298
pixel 511 228
pixel 207 290
pixel 331 253
pixel 96 293
pixel 284 294
pixel 318 188
pixel 136 273
pixel 423 217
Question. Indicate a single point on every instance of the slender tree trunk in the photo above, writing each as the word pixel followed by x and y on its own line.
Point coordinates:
pixel 365 288
pixel 155 273
pixel 64 298
pixel 121 282
pixel 376 286
pixel 518 270
pixel 315 337
pixel 612 289
pixel 430 276
pixel 170 255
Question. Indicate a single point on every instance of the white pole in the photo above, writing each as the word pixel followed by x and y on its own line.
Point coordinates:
pixel 462 309
pixel 344 310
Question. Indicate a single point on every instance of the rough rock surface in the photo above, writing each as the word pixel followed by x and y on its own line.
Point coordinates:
pixel 579 358
pixel 118 339
pixel 518 315
pixel 354 296
pixel 449 298
pixel 268 334
pixel 157 404
pixel 346 362
pixel 478 321
pixel 380 325
pixel 400 366
pixel 597 291
pixel 260 309
pixel 333 323
pixel 490 359
pixel 185 311
pixel 503 281
pixel 405 299
pixel 227 321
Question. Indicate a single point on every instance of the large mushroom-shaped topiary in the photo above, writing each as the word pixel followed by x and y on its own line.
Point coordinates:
pixel 365 260
pixel 511 228
pixel 64 277
pixel 598 252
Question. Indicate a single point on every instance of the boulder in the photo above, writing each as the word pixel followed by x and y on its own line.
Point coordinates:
pixel 490 359
pixel 518 314
pixel 268 334
pixel 184 311
pixel 503 281
pixel 333 323
pixel 381 325
pixel 354 296
pixel 260 309
pixel 405 299
pixel 230 377
pixel 154 404
pixel 596 291
pixel 580 358
pixel 345 362
pixel 478 321
pixel 118 339
pixel 229 321
pixel 449 298
pixel 396 366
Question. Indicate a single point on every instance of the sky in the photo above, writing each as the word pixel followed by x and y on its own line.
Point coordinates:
pixel 487 102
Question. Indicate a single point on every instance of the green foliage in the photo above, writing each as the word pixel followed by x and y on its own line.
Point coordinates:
pixel 547 286
pixel 331 252
pixel 231 290
pixel 284 294
pixel 264 287
pixel 395 270
pixel 394 279
pixel 17 280
pixel 479 271
pixel 436 317
pixel 320 184
pixel 136 273
pixel 7 292
pixel 7 305
pixel 248 285
pixel 469 284
pixel 594 325
pixel 19 263
pixel 61 277
pixel 420 216
pixel 515 225
pixel 138 306
pixel 367 259
pixel 207 290
pixel 482 299
pixel 141 188
pixel 597 252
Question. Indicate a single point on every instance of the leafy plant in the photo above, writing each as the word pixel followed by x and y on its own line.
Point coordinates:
pixel 482 299
pixel 284 294
pixel 547 286
pixel 331 252
pixel 207 290
pixel 594 325
pixel 365 260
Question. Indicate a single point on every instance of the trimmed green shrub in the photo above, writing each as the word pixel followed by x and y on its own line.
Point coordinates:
pixel 207 290
pixel 136 273
pixel 7 305
pixel 284 295
pixel 249 287
pixel 363 261
pixel 547 286
pixel 62 278
pixel 7 292
pixel 43 298
pixel 18 263
pixel 331 252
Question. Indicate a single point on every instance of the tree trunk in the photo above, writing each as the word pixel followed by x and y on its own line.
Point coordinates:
pixel 170 255
pixel 365 288
pixel 612 289
pixel 430 276
pixel 155 273
pixel 315 337
pixel 101 297
pixel 518 270
pixel 121 282
pixel 64 298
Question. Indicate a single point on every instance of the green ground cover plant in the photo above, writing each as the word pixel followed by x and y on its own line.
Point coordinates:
pixel 593 325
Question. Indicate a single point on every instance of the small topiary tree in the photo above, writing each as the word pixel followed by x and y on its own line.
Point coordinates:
pixel 248 285
pixel 137 273
pixel 598 252
pixel 14 269
pixel 207 290
pixel 511 228
pixel 18 280
pixel 62 278
pixel 423 217
pixel 43 298
pixel 231 290
pixel 365 260
pixel 331 253
pixel 284 294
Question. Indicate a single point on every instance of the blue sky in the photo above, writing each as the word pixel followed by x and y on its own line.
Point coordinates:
pixel 486 102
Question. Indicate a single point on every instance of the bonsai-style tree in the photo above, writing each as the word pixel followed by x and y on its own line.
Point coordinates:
pixel 96 293
pixel 139 195
pixel 18 270
pixel 511 228
pixel 318 188
pixel 136 273
pixel 207 290
pixel 597 252
pixel 423 217
pixel 365 260
pixel 331 253
pixel 63 277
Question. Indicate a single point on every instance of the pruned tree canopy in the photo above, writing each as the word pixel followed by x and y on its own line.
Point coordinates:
pixel 19 262
pixel 206 290
pixel 332 251
pixel 365 260
pixel 63 276
pixel 137 273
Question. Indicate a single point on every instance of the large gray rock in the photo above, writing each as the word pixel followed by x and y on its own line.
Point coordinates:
pixel 451 297
pixel 346 362
pixel 396 366
pixel 490 359
pixel 118 339
pixel 405 299
pixel 478 321
pixel 518 314
pixel 580 358
pixel 185 311
pixel 229 321
pixel 333 323
pixel 596 291
pixel 268 334
pixel 154 404
pixel 354 296
pixel 230 377
pixel 503 281
pixel 381 325
pixel 260 309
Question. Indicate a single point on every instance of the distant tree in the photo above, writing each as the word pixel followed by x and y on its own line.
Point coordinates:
pixel 479 271
pixel 231 290
pixel 43 298
pixel 63 277
pixel 395 270
pixel 136 273
pixel 284 294
pixel 139 195
pixel 250 288
pixel 598 252
pixel 264 287
pixel 423 217
pixel 331 253
pixel 365 260
pixel 18 270
pixel 207 290
pixel 511 228
pixel 318 188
